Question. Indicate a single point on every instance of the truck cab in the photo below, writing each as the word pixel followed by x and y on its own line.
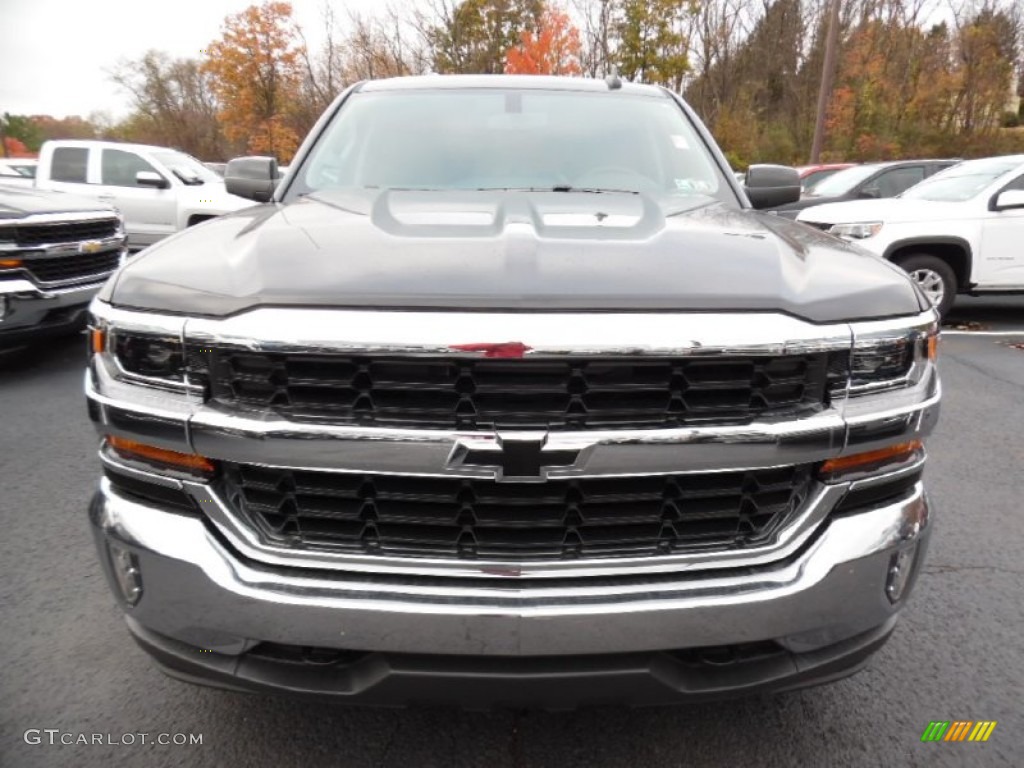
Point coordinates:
pixel 158 190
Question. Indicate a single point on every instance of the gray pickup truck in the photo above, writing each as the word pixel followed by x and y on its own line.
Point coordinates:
pixel 507 396
pixel 56 251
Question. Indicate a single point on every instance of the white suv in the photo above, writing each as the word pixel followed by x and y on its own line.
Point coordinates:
pixel 159 191
pixel 960 231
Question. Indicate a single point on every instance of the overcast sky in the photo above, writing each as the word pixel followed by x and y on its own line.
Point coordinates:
pixel 54 53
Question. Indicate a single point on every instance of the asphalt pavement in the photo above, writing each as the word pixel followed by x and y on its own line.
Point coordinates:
pixel 67 663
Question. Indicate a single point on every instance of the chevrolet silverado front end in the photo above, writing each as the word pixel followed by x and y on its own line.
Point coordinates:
pixel 510 446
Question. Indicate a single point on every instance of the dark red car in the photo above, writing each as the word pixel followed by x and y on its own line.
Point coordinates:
pixel 812 174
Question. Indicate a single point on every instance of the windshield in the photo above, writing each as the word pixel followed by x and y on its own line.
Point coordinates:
pixel 513 139
pixel 186 168
pixel 841 182
pixel 18 169
pixel 963 181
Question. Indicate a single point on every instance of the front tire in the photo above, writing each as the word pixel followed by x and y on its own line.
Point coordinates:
pixel 934 277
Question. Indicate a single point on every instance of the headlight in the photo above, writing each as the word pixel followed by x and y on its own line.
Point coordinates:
pixel 139 347
pixel 150 356
pixel 890 355
pixel 860 230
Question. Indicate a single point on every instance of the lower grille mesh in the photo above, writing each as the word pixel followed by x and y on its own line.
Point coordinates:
pixel 556 519
pixel 54 269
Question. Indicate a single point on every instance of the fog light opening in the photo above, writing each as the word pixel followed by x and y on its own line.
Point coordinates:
pixel 900 567
pixel 126 573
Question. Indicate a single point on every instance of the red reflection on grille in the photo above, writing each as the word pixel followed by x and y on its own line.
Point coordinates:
pixel 502 349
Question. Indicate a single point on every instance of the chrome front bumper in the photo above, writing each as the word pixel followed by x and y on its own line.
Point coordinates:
pixel 198 591
pixel 30 311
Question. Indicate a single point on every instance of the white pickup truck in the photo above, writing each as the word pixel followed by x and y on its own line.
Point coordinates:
pixel 959 231
pixel 159 191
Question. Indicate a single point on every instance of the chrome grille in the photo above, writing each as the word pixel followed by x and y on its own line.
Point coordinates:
pixel 539 393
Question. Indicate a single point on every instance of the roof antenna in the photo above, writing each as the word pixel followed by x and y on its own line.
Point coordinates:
pixel 612 79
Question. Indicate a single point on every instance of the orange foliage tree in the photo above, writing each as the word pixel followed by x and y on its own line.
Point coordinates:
pixel 554 49
pixel 256 76
pixel 15 148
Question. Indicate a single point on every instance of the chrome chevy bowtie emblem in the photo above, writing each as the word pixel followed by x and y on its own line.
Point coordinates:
pixel 521 457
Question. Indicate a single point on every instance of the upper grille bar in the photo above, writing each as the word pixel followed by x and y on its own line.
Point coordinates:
pixel 531 393
pixel 36 235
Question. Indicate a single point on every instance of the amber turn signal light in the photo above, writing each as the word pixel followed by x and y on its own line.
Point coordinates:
pixel 97 340
pixel 871 459
pixel 933 346
pixel 133 450
pixel 10 263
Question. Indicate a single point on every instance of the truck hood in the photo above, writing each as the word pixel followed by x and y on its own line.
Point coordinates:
pixel 890 211
pixel 511 251
pixel 18 202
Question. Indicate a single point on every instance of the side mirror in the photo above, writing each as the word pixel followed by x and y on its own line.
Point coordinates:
pixel 1008 198
pixel 873 193
pixel 254 178
pixel 769 186
pixel 151 179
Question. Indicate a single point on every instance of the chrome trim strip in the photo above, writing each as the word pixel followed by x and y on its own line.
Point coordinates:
pixel 71 217
pixel 273 441
pixel 20 288
pixel 110 459
pixel 138 322
pixel 545 334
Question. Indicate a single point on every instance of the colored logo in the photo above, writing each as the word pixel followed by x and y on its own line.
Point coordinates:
pixel 90 246
pixel 958 730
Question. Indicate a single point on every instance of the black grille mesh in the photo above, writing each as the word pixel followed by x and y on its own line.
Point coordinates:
pixel 65 232
pixel 53 269
pixel 556 519
pixel 574 393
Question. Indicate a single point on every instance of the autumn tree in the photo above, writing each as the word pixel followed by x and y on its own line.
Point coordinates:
pixel 473 36
pixel 22 128
pixel 256 74
pixel 173 105
pixel 651 41
pixel 552 49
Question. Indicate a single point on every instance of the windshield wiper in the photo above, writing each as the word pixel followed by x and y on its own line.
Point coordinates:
pixel 189 180
pixel 559 188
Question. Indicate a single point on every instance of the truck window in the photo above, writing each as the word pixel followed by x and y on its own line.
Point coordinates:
pixel 118 168
pixel 69 164
pixel 892 183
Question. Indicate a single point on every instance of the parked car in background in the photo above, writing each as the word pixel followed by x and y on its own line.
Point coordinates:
pixel 17 171
pixel 960 231
pixel 159 191
pixel 811 175
pixel 55 252
pixel 869 181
